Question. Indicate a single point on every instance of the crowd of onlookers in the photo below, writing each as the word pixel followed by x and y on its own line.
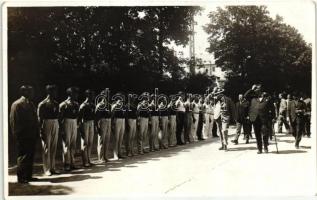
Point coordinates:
pixel 166 121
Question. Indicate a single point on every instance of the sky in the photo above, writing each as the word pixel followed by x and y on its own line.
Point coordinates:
pixel 299 14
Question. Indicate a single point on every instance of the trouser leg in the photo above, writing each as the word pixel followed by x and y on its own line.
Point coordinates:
pixel 90 139
pixel 225 127
pixel 84 142
pixel 238 131
pixel 54 140
pixel 121 135
pixel 172 130
pixel 257 130
pixel 219 129
pixel 194 127
pixel 206 126
pixel 26 148
pixel 299 130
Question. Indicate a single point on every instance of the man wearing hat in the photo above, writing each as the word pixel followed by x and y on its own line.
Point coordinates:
pixel 86 120
pixel 261 111
pixel 68 110
pixel 48 118
pixel 25 128
pixel 222 115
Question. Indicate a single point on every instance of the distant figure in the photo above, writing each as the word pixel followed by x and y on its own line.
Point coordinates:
pixel 25 128
pixel 307 116
pixel 282 114
pixel 180 118
pixel 48 119
pixel 195 118
pixel 242 119
pixel 300 110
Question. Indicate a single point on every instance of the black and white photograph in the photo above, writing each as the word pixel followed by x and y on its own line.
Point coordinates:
pixel 164 99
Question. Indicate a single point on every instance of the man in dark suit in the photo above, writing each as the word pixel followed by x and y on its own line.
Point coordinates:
pixel 260 112
pixel 25 127
pixel 242 119
pixel 291 113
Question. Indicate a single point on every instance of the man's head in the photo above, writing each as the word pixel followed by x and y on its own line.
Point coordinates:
pixel 89 94
pixel 27 91
pixel 72 92
pixel 240 97
pixel 51 90
pixel 289 96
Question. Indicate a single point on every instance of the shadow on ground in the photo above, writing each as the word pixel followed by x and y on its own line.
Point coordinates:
pixel 18 189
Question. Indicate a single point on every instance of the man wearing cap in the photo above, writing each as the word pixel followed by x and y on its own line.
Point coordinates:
pixel 222 114
pixel 68 110
pixel 86 120
pixel 25 128
pixel 103 123
pixel 48 118
pixel 143 114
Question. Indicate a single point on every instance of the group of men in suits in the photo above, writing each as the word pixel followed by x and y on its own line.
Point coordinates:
pixel 187 118
pixel 261 111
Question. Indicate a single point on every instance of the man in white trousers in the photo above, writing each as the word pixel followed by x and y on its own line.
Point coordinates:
pixel 86 120
pixel 48 119
pixel 68 110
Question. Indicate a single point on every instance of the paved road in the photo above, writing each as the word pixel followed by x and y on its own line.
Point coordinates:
pixel 195 169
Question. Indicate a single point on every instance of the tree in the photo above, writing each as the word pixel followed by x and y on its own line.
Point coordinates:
pixel 97 47
pixel 253 47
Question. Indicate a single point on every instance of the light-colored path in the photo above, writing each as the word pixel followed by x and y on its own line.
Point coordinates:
pixel 198 169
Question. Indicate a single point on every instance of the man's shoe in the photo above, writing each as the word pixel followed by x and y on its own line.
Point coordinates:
pixel 221 148
pixel 259 152
pixel 225 148
pixel 247 142
pixel 296 146
pixel 55 172
pixel 234 142
pixel 266 151
pixel 33 179
pixel 23 182
pixel 48 173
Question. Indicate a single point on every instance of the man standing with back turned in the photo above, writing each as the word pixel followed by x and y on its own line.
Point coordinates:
pixel 24 126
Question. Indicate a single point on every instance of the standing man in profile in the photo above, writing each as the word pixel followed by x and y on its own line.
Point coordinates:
pixel 68 110
pixel 48 118
pixel 25 128
pixel 86 120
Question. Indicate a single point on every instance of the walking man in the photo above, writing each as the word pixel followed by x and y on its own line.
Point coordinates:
pixel 242 119
pixel 282 114
pixel 25 128
pixel 48 118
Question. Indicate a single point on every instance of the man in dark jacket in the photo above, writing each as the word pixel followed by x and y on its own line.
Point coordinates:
pixel 242 119
pixel 260 112
pixel 25 127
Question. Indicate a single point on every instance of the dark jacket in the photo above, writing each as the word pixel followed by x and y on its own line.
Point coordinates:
pixel 263 109
pixel 241 111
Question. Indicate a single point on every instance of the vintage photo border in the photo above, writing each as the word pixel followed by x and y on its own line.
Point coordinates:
pixel 4 76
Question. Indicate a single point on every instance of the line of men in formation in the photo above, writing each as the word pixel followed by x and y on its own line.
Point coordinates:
pixel 189 118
